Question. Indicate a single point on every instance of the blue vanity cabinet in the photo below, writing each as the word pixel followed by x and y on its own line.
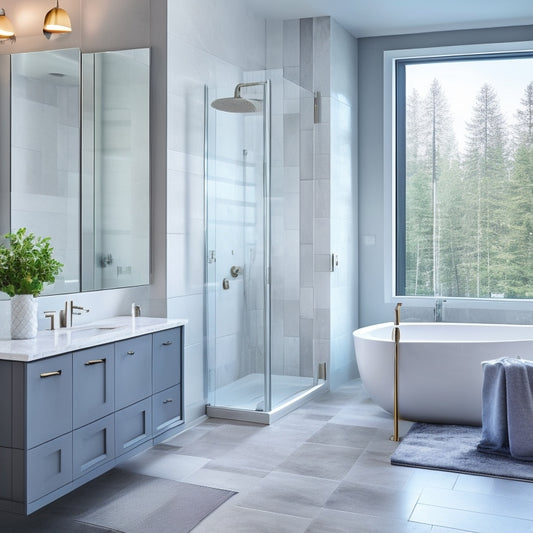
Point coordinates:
pixel 166 360
pixel 93 401
pixel 93 383
pixel 133 426
pixel 166 407
pixel 48 386
pixel 133 370
pixel 93 445
pixel 67 418
pixel 49 399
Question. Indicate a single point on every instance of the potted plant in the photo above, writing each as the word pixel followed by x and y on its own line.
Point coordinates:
pixel 25 266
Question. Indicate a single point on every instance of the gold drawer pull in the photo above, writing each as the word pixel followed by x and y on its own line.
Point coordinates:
pixel 94 362
pixel 167 343
pixel 49 374
pixel 131 352
pixel 168 400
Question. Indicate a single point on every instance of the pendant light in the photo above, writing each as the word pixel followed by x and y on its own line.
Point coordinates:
pixel 6 28
pixel 56 21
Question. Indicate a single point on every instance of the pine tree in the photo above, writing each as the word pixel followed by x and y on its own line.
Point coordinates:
pixel 429 158
pixel 519 203
pixel 418 198
pixel 485 182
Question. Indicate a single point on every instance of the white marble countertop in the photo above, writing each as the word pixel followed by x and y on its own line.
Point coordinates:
pixel 49 343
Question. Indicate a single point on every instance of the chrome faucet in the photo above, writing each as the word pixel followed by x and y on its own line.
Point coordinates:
pixel 65 315
pixel 438 310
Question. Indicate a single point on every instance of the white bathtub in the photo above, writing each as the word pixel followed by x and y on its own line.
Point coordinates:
pixel 440 374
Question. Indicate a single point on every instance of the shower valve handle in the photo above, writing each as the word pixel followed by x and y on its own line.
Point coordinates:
pixel 235 271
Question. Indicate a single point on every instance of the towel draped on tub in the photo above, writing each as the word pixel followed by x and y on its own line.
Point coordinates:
pixel 507 408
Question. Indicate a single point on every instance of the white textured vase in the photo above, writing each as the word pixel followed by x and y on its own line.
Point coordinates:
pixel 23 316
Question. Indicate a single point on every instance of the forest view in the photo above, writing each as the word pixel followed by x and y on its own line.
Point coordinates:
pixel 469 198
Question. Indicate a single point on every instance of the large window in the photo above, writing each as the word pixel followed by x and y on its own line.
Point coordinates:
pixel 464 171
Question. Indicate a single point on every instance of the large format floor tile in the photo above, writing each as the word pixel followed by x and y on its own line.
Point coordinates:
pixel 324 468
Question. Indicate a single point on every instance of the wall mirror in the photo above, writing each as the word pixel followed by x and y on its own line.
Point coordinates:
pixel 45 154
pixel 80 165
pixel 115 169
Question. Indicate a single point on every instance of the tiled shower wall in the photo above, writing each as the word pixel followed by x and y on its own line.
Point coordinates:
pixel 320 312
pixel 301 48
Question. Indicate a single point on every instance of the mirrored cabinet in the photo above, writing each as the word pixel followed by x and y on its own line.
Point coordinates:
pixel 79 161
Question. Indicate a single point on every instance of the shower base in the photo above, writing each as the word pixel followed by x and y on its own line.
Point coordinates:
pixel 243 399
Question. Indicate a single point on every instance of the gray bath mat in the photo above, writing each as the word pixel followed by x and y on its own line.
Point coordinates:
pixel 155 504
pixel 453 448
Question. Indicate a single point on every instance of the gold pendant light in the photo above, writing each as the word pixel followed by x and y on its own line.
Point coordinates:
pixel 6 28
pixel 56 21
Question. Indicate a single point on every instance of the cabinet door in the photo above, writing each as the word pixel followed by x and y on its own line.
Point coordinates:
pixel 166 409
pixel 49 392
pixel 133 426
pixel 93 380
pixel 133 370
pixel 49 467
pixel 166 358
pixel 93 445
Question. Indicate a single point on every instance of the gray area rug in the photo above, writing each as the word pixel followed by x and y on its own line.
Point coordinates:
pixel 454 448
pixel 155 504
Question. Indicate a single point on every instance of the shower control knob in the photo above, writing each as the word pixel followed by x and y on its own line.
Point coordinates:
pixel 235 271
pixel 225 284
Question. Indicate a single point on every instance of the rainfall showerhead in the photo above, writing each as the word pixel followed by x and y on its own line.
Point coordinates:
pixel 238 104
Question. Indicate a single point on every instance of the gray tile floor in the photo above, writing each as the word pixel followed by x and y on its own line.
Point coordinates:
pixel 323 468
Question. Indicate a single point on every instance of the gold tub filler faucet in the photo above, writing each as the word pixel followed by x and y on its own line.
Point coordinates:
pixel 396 338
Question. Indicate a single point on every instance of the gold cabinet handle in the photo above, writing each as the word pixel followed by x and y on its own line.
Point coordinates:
pixel 131 352
pixel 168 400
pixel 167 343
pixel 94 362
pixel 50 374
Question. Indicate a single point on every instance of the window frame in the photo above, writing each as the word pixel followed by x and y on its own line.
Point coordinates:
pixel 394 62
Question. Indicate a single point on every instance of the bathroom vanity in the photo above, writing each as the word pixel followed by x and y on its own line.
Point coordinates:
pixel 76 402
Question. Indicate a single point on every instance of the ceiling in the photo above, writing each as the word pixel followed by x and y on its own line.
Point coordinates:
pixel 368 18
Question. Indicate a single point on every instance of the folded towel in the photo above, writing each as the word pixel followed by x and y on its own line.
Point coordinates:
pixel 507 412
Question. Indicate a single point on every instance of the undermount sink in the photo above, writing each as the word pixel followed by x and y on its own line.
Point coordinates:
pixel 88 330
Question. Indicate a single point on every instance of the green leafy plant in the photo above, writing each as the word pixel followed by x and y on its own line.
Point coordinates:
pixel 27 264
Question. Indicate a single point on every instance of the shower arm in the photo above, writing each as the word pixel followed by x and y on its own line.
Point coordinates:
pixel 239 86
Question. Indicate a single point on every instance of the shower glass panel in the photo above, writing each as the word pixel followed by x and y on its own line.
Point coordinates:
pixel 259 348
pixel 236 256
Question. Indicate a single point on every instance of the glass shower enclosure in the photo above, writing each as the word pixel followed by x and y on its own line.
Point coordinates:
pixel 260 361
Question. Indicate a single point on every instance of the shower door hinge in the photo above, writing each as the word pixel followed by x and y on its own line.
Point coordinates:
pixel 316 107
pixel 211 256
pixel 334 262
pixel 322 372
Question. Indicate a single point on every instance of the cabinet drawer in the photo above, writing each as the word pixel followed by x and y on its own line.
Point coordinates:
pixel 93 380
pixel 166 409
pixel 133 370
pixel 133 426
pixel 93 445
pixel 49 392
pixel 49 467
pixel 166 362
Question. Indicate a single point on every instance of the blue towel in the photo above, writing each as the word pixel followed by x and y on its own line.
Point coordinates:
pixel 507 408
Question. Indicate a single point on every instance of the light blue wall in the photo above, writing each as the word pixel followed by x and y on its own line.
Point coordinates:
pixel 375 304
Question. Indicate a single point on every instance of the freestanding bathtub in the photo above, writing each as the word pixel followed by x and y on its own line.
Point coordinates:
pixel 440 374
